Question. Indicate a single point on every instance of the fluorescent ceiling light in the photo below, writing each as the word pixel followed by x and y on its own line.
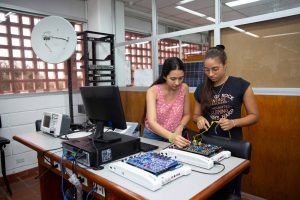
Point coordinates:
pixel 237 29
pixel 211 19
pixel 251 34
pixel 184 2
pixel 190 11
pixel 177 46
pixel 194 52
pixel 243 31
pixel 239 2
pixel 141 42
pixel 283 34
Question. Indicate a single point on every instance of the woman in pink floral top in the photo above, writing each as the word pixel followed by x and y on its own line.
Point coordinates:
pixel 168 105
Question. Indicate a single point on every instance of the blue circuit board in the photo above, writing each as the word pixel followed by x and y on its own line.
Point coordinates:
pixel 153 162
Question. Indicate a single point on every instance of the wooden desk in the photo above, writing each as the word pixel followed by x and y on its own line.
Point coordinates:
pixel 193 186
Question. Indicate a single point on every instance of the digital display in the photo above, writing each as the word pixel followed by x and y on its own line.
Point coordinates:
pixel 46 121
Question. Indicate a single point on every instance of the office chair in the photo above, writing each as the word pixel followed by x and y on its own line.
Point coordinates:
pixel 238 148
pixel 3 143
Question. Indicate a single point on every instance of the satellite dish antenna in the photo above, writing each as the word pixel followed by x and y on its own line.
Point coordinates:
pixel 53 39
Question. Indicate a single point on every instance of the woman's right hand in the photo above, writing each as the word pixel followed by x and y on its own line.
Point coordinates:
pixel 202 123
pixel 180 141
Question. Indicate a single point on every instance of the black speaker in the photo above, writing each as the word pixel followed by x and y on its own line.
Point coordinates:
pixel 38 125
pixel 0 122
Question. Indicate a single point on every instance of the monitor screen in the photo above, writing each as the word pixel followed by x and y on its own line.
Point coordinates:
pixel 103 106
pixel 46 121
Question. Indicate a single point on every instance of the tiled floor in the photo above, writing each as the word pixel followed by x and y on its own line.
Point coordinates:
pixel 24 187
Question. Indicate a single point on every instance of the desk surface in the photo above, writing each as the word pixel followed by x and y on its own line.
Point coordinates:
pixel 193 186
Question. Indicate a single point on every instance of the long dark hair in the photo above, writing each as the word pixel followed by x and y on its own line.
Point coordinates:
pixel 207 90
pixel 170 64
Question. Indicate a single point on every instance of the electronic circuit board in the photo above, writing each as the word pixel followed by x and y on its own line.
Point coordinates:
pixel 203 149
pixel 153 162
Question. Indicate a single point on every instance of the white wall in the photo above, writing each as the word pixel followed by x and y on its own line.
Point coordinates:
pixel 18 115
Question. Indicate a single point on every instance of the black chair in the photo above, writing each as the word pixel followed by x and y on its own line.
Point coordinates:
pixel 3 143
pixel 238 148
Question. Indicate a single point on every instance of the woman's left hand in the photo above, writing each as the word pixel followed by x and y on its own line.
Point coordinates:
pixel 226 124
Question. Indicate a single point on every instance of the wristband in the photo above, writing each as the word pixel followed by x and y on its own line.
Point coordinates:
pixel 233 122
pixel 181 125
pixel 171 138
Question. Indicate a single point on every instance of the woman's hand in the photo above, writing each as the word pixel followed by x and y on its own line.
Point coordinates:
pixel 202 123
pixel 226 124
pixel 180 141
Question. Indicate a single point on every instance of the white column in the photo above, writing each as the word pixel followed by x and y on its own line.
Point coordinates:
pixel 107 16
pixel 217 32
pixel 154 42
pixel 123 69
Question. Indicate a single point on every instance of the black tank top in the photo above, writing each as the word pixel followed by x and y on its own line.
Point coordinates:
pixel 226 103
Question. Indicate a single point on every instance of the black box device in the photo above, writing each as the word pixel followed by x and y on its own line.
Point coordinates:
pixel 93 154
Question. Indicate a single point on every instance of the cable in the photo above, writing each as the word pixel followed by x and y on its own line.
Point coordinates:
pixel 49 162
pixel 216 163
pixel 51 150
pixel 168 146
pixel 92 191
pixel 215 130
pixel 62 177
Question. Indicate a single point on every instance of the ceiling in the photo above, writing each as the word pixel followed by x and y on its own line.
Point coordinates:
pixel 168 14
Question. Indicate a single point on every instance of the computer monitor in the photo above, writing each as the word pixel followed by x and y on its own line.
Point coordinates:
pixel 103 106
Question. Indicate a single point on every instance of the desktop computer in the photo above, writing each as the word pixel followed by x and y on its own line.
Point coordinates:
pixel 90 153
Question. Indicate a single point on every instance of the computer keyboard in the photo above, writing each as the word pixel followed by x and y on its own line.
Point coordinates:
pixel 145 147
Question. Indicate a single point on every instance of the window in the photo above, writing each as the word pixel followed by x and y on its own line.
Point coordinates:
pixel 21 71
pixel 139 54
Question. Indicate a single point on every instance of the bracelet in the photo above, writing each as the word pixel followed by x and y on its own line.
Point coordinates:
pixel 233 122
pixel 171 138
pixel 181 125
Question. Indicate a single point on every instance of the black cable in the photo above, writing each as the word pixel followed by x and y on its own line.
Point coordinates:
pixel 43 152
pixel 168 146
pixel 48 169
pixel 216 163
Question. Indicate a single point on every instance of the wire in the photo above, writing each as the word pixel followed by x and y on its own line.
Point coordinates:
pixel 215 130
pixel 200 134
pixel 168 146
pixel 216 163
pixel 92 191
pixel 51 150
pixel 62 176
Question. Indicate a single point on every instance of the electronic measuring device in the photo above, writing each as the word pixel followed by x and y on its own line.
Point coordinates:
pixel 55 124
